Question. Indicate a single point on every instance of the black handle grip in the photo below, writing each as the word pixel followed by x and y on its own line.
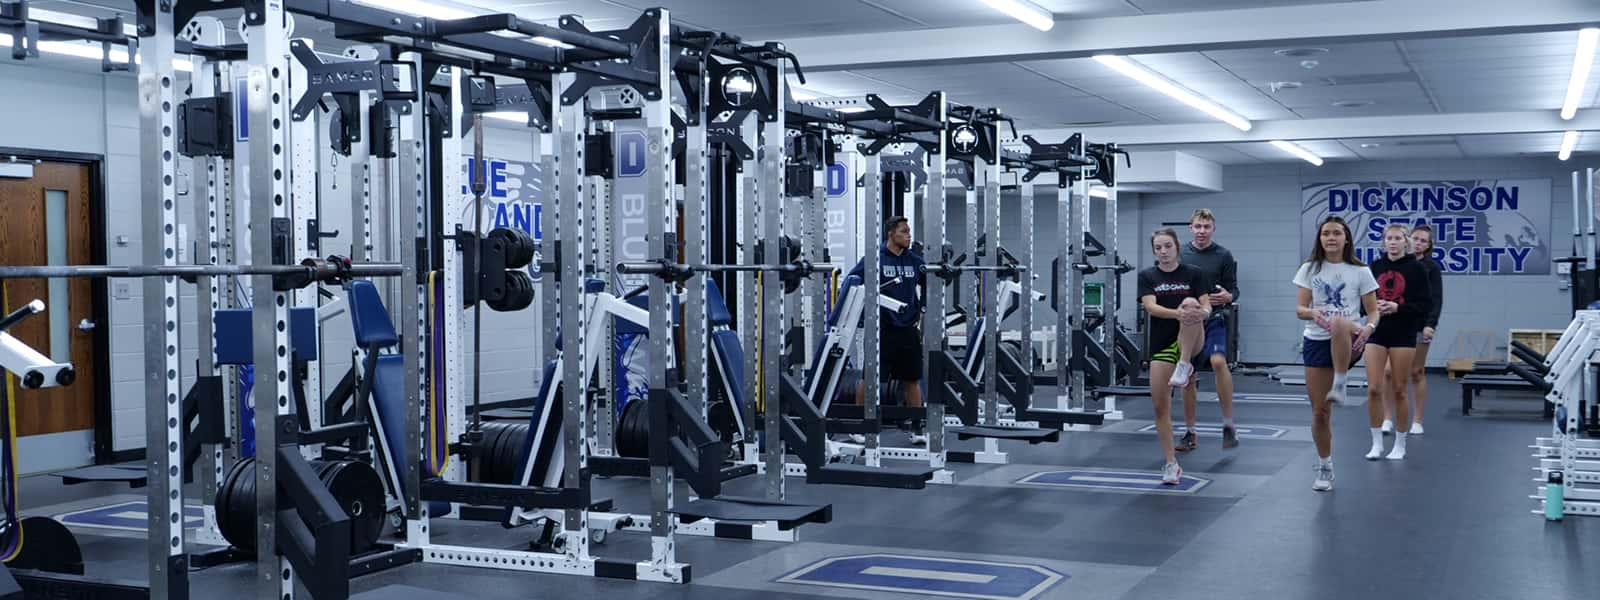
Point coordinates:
pixel 30 309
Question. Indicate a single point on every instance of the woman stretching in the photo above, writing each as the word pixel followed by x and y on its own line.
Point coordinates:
pixel 1332 287
pixel 1175 297
pixel 1403 301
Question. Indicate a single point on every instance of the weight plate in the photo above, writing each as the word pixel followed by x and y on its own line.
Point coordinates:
pixel 359 491
pixel 48 546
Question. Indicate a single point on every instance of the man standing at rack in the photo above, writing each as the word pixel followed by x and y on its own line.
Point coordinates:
pixel 900 277
pixel 1219 268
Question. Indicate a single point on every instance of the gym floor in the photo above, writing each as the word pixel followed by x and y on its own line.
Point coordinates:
pixel 1453 520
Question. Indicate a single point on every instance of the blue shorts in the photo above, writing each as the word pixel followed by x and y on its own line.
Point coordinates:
pixel 1216 338
pixel 1319 353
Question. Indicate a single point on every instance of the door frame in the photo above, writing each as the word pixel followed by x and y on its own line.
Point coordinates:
pixel 98 292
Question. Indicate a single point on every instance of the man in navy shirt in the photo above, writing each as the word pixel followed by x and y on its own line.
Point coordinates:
pixel 900 277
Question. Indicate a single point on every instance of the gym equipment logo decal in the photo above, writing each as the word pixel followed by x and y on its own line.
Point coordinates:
pixel 965 139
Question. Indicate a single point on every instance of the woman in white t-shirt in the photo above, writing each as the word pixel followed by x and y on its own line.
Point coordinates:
pixel 1334 287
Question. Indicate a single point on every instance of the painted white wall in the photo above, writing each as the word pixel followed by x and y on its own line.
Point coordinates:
pixel 77 110
pixel 1258 218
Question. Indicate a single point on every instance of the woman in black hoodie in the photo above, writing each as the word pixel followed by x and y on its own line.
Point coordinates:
pixel 1403 300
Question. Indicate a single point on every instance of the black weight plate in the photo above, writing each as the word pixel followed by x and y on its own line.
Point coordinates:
pixel 483 453
pixel 359 491
pixel 721 418
pixel 494 469
pixel 516 439
pixel 47 545
pixel 236 506
pixel 503 464
pixel 633 437
pixel 519 246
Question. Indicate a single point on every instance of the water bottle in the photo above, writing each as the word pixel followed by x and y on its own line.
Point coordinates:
pixel 1554 496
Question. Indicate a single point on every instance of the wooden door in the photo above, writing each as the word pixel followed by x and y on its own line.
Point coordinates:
pixel 45 220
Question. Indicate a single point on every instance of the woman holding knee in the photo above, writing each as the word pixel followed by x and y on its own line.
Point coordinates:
pixel 1333 287
pixel 1403 300
pixel 1175 297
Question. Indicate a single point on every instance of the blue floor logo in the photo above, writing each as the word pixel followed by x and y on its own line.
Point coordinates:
pixel 928 576
pixel 128 516
pixel 1128 481
pixel 1264 432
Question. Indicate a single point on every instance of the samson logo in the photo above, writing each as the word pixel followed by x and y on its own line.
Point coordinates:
pixel 514 100
pixel 900 163
pixel 363 75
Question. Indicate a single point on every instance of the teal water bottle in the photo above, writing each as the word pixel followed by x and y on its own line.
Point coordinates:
pixel 1554 496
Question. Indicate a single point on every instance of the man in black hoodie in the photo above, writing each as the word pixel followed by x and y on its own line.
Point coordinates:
pixel 1222 271
pixel 900 277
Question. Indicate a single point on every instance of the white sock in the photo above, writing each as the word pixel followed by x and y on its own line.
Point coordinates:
pixel 1227 421
pixel 1326 462
pixel 1338 380
pixel 1377 437
pixel 1399 450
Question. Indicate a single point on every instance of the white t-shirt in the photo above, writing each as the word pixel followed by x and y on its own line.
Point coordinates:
pixel 1337 287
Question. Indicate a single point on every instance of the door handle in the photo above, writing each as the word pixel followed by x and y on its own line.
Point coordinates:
pixel 85 326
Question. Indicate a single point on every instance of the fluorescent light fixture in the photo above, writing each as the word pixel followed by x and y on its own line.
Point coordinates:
pixel 519 117
pixel 1568 143
pixel 1099 192
pixel 1580 71
pixel 1139 73
pixel 853 109
pixel 1296 150
pixel 1025 11
pixel 801 94
pixel 92 51
pixel 420 8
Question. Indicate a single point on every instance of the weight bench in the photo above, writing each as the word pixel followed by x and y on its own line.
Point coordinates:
pixel 1522 379
pixel 506 414
pixel 1530 358
pixel 752 510
pixel 135 476
pixel 1031 435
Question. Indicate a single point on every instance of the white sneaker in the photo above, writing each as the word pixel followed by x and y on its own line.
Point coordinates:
pixel 1376 452
pixel 857 438
pixel 1171 474
pixel 918 439
pixel 1388 425
pixel 1180 375
pixel 1324 480
pixel 1416 429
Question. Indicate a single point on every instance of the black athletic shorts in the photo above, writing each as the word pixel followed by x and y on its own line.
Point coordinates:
pixel 900 351
pixel 1393 337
